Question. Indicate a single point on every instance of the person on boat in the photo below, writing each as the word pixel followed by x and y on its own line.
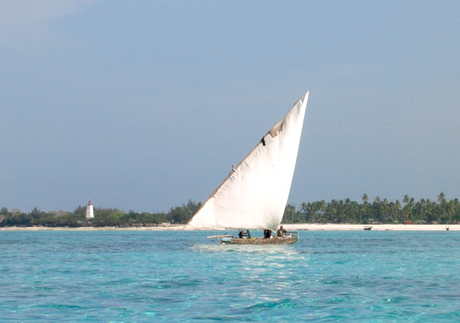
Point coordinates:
pixel 242 235
pixel 281 232
pixel 267 234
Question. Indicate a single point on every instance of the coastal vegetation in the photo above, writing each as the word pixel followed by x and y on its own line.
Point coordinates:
pixel 103 217
pixel 424 211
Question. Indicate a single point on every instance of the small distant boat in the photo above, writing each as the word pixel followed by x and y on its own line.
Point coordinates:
pixel 254 195
pixel 367 228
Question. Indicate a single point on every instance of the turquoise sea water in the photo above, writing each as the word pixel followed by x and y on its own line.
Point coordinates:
pixel 125 276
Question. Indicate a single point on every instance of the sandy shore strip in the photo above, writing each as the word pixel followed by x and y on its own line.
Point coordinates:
pixel 39 228
pixel 374 227
pixel 289 227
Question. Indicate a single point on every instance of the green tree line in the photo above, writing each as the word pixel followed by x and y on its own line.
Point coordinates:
pixel 102 217
pixel 425 211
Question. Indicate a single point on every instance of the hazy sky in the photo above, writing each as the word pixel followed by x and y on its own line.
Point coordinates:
pixel 144 105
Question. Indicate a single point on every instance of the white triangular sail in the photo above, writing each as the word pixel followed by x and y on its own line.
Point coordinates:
pixel 255 193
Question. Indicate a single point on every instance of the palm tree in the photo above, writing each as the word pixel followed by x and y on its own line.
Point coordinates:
pixel 304 208
pixel 289 213
pixel 320 207
pixel 407 210
pixel 422 209
pixel 442 205
pixel 450 209
pixel 397 207
pixel 365 198
pixel 456 208
pixel 411 207
pixel 386 211
pixel 406 199
pixel 365 210
pixel 362 212
pixel 441 198
pixel 377 209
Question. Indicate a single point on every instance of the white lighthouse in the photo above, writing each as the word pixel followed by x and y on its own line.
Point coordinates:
pixel 89 210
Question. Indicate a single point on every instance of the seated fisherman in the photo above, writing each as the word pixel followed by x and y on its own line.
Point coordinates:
pixel 281 232
pixel 244 235
pixel 267 233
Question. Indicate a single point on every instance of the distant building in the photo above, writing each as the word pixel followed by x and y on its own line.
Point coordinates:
pixel 15 211
pixel 89 210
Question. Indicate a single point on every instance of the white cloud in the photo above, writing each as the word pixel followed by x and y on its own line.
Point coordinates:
pixel 22 21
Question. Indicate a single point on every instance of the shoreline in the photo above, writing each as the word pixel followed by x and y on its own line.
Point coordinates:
pixel 289 227
pixel 374 227
pixel 40 228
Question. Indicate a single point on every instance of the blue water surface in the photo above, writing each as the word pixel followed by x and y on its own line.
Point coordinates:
pixel 176 276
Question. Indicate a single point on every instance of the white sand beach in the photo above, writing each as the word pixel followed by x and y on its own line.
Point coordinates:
pixel 289 227
pixel 39 228
pixel 375 227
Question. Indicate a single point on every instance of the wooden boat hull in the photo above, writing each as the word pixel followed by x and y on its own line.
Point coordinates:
pixel 290 238
pixel 259 241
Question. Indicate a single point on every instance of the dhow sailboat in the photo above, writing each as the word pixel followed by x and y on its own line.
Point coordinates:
pixel 254 195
